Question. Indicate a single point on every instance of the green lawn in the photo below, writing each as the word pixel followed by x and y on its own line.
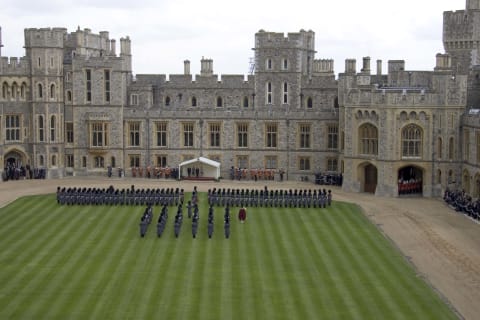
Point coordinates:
pixel 89 262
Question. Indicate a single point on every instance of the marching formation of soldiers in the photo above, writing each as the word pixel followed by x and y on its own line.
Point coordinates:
pixel 112 196
pixel 464 203
pixel 270 198
pixel 146 220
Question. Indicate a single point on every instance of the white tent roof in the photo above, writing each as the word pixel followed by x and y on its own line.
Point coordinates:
pixel 212 168
pixel 202 160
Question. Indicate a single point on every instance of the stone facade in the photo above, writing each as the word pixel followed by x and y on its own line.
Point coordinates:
pixel 73 106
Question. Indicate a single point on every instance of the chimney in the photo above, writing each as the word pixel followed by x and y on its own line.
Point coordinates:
pixel 186 67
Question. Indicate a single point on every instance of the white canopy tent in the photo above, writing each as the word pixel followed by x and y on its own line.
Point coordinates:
pixel 206 167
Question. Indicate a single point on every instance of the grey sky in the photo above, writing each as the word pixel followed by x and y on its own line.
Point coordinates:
pixel 164 33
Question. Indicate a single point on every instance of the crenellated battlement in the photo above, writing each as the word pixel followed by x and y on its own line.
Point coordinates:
pixel 14 65
pixel 45 37
pixel 303 39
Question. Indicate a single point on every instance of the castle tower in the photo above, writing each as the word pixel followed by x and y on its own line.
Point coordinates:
pixel 461 36
pixel 45 51
pixel 473 5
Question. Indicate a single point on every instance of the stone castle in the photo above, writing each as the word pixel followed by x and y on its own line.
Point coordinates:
pixel 72 106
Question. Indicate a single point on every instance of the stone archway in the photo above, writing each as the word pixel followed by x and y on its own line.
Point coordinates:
pixel 14 164
pixel 370 178
pixel 410 181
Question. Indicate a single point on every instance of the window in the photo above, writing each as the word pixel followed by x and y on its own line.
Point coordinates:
pixel 167 101
pixel 84 162
pixel 332 143
pixel 188 134
pixel 134 160
pixel 285 93
pixel 51 62
pixel 268 99
pixel 134 134
pixel 304 136
pixel 161 161
pixel 477 138
pixel 99 162
pixel 99 136
pixel 194 101
pixel 41 161
pixel 271 135
pixel 52 91
pixel 269 64
pixel 466 145
pixel 242 135
pixel 40 91
pixel 368 134
pixel 88 85
pixel 451 149
pixel 245 102
pixel 39 62
pixel 219 102
pixel 23 89
pixel 309 103
pixel 69 96
pixel 332 164
pixel 107 85
pixel 4 90
pixel 69 131
pixel 134 99
pixel 214 133
pixel 14 90
pixel 53 125
pixel 161 128
pixel 69 160
pixel 304 163
pixel 439 148
pixel 54 160
pixel 412 141
pixel 113 162
pixel 41 129
pixel 242 162
pixel 271 162
pixel 12 128
pixel 69 77
pixel 285 64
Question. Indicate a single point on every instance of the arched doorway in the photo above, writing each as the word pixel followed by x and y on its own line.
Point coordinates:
pixel 371 176
pixel 410 181
pixel 14 165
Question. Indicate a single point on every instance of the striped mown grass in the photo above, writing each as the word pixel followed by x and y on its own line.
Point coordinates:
pixel 89 262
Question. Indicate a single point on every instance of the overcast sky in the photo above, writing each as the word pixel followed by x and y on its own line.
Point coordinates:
pixel 164 33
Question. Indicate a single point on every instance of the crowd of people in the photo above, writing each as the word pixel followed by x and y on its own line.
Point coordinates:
pixel 460 201
pixel 154 172
pixel 328 178
pixel 14 172
pixel 255 174
pixel 270 198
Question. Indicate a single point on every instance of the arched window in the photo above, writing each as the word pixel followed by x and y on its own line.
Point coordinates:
pixel 285 64
pixel 439 176
pixel 245 102
pixel 219 102
pixel 41 129
pixel 368 134
pixel 23 89
pixel 269 90
pixel 285 93
pixel 194 102
pixel 52 91
pixel 4 90
pixel 54 160
pixel 69 96
pixel 167 101
pixel 439 148
pixel 52 128
pixel 451 149
pixel 309 103
pixel 41 162
pixel 14 90
pixel 99 162
pixel 269 64
pixel 412 141
pixel 40 90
